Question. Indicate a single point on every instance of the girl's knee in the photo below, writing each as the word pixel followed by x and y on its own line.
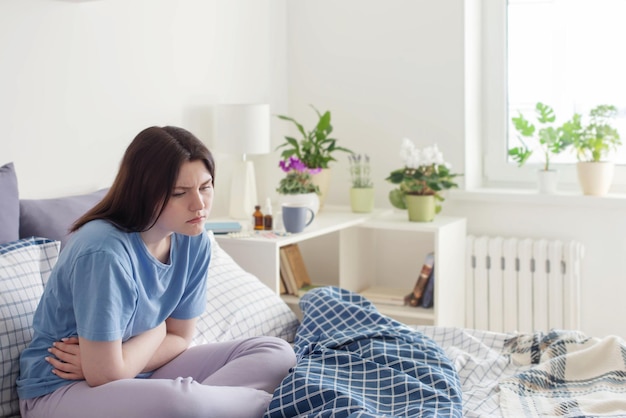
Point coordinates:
pixel 281 349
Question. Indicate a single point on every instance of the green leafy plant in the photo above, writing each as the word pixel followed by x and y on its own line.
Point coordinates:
pixel 360 171
pixel 597 139
pixel 298 179
pixel 424 173
pixel 551 139
pixel 315 148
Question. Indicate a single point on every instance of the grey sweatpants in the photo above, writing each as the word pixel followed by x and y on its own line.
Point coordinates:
pixel 219 380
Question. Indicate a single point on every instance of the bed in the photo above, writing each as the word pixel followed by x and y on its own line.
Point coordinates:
pixel 558 373
pixel 352 360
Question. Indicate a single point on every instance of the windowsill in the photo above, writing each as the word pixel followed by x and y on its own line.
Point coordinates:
pixel 531 197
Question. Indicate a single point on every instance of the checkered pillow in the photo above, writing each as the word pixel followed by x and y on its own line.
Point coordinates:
pixel 24 268
pixel 239 305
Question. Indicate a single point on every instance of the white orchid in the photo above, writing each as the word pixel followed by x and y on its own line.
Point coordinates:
pixel 425 172
pixel 414 157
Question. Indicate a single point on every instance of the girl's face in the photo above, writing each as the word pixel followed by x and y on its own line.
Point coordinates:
pixel 190 203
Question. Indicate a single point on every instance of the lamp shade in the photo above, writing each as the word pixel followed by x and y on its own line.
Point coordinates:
pixel 242 128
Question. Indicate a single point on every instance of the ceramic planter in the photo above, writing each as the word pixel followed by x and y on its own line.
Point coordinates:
pixel 547 181
pixel 362 199
pixel 595 177
pixel 322 180
pixel 310 200
pixel 420 208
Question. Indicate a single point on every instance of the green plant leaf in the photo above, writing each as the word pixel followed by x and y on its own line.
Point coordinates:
pixel 396 198
pixel 298 125
pixel 550 139
pixel 520 155
pixel 315 149
pixel 523 126
pixel 545 113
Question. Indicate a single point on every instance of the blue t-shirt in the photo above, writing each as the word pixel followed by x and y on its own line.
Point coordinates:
pixel 107 286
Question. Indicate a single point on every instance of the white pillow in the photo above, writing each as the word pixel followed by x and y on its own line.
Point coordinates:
pixel 24 268
pixel 239 305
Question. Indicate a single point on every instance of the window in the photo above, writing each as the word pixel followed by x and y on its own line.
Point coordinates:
pixel 565 53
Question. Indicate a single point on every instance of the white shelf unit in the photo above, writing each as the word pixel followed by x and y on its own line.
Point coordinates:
pixel 380 248
pixel 388 250
pixel 259 254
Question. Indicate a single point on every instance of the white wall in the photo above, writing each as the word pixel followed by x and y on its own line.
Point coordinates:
pixel 386 70
pixel 79 79
pixel 389 69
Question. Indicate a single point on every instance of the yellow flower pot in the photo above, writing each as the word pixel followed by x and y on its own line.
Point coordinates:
pixel 362 199
pixel 420 208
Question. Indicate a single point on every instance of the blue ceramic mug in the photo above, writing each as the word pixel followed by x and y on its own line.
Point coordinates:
pixel 296 217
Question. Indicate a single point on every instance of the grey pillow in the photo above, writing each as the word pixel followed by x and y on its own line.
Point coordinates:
pixel 9 204
pixel 52 218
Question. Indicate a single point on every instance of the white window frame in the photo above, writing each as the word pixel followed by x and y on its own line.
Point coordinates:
pixel 497 171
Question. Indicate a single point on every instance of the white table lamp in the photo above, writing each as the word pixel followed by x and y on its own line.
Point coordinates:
pixel 243 129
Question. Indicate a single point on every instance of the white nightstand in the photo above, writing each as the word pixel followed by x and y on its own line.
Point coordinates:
pixel 376 249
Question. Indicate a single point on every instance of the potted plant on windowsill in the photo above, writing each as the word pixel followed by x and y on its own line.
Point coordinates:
pixel 297 186
pixel 593 142
pixel 315 149
pixel 550 139
pixel 420 182
pixel 362 190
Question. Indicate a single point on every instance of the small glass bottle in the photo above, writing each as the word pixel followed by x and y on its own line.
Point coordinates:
pixel 267 219
pixel 258 218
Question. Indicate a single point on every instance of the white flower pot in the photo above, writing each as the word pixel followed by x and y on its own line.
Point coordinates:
pixel 310 200
pixel 547 181
pixel 595 177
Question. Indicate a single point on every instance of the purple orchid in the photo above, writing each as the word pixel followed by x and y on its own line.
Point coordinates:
pixel 295 164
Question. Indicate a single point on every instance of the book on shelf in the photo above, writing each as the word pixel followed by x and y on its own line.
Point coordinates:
pixel 429 291
pixel 415 297
pixel 298 268
pixel 384 295
pixel 283 288
pixel 287 274
pixel 294 272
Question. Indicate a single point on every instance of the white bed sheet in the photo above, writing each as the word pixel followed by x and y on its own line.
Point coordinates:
pixel 480 362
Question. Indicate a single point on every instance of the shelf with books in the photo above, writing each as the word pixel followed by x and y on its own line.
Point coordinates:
pixel 381 250
pixel 388 251
pixel 260 254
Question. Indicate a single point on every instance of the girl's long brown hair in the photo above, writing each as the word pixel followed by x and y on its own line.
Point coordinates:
pixel 146 178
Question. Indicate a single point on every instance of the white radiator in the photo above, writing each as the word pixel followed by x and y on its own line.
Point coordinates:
pixel 521 284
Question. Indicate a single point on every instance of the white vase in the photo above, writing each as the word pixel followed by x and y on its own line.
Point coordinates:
pixel 547 181
pixel 595 177
pixel 310 200
pixel 322 180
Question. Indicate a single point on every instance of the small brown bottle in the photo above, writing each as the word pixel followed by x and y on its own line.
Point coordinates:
pixel 258 218
pixel 267 219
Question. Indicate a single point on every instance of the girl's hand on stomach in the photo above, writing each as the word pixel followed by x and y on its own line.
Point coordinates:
pixel 66 360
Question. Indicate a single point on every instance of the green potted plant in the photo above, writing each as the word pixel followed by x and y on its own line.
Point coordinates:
pixel 315 148
pixel 593 142
pixel 549 138
pixel 297 186
pixel 420 182
pixel 362 190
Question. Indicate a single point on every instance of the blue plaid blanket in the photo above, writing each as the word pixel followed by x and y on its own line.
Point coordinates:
pixel 355 362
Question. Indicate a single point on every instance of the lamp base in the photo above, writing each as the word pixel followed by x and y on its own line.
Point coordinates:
pixel 243 195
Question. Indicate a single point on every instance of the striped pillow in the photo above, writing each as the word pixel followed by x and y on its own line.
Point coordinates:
pixel 24 268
